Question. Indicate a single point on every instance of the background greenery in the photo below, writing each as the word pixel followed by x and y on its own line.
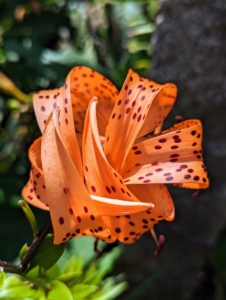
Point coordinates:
pixel 40 41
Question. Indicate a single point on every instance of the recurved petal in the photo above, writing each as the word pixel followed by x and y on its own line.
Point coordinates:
pixel 71 208
pixel 112 207
pixel 101 179
pixel 128 228
pixel 44 103
pixel 175 156
pixel 140 107
pixel 35 191
pixel 85 84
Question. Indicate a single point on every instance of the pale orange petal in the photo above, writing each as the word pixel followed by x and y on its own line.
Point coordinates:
pixel 71 208
pixel 44 103
pixel 112 207
pixel 35 191
pixel 85 84
pixel 130 113
pixel 101 179
pixel 175 156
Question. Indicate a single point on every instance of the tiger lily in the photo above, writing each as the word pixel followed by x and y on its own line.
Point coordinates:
pixel 116 191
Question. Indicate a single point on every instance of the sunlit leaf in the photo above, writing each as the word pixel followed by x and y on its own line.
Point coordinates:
pixel 82 291
pixel 16 289
pixel 59 291
pixel 2 278
pixel 111 292
pixel 70 278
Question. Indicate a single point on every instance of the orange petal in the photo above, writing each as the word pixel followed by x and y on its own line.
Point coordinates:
pixel 129 228
pixel 44 103
pixel 112 207
pixel 175 156
pixel 132 111
pixel 35 191
pixel 85 84
pixel 101 179
pixel 71 208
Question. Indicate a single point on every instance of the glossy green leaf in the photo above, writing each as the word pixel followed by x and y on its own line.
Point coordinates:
pixel 82 291
pixel 45 257
pixel 70 278
pixel 2 278
pixel 16 289
pixel 59 291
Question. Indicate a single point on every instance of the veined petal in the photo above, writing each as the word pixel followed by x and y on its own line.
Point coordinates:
pixel 112 207
pixel 101 179
pixel 71 208
pixel 130 113
pixel 35 191
pixel 175 156
pixel 85 84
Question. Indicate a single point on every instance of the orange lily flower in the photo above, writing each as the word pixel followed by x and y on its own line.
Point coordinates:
pixel 112 204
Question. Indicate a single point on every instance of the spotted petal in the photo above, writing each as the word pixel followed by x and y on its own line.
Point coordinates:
pixel 82 84
pixel 101 179
pixel 175 156
pixel 35 191
pixel 133 116
pixel 130 227
pixel 71 208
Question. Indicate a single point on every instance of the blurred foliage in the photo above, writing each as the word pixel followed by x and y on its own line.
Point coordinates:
pixel 73 277
pixel 40 41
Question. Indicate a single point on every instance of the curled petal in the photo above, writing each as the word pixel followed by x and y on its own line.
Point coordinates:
pixel 175 156
pixel 35 190
pixel 71 208
pixel 112 207
pixel 132 115
pixel 86 83
pixel 101 179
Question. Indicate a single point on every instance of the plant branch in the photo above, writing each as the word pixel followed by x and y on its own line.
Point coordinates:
pixel 35 245
pixel 19 269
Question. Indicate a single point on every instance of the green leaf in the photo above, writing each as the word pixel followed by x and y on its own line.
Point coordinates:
pixel 52 273
pixel 30 216
pixel 45 257
pixel 70 278
pixel 23 251
pixel 82 291
pixel 16 289
pixel 110 293
pixel 2 278
pixel 75 264
pixel 59 291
